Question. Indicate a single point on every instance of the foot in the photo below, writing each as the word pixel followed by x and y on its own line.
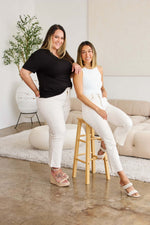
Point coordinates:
pixel 64 175
pixel 59 178
pixel 101 153
pixel 129 189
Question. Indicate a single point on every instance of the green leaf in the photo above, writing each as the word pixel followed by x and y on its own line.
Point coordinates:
pixel 24 42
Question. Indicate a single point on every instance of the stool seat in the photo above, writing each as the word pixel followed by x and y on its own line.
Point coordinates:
pixel 89 153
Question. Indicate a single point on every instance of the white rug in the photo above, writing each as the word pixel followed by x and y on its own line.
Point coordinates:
pixel 17 146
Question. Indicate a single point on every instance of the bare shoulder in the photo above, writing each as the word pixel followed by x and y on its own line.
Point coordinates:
pixel 100 68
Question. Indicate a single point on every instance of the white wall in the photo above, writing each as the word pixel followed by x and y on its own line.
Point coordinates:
pixel 120 31
pixel 71 14
pixel 136 88
pixel 9 78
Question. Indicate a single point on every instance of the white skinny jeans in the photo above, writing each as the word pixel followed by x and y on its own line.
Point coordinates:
pixel 54 111
pixel 102 128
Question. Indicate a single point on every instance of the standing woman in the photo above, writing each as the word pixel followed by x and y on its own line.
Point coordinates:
pixel 96 111
pixel 53 66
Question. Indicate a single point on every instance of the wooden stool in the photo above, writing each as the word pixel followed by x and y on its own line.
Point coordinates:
pixel 90 155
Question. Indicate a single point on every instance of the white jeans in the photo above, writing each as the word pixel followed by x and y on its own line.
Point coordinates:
pixel 102 128
pixel 55 111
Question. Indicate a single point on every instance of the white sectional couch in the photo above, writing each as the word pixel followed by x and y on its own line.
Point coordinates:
pixel 138 140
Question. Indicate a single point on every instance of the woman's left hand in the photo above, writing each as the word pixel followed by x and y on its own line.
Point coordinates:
pixel 76 68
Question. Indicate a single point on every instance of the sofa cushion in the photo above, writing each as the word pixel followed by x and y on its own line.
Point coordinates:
pixel 148 121
pixel 75 104
pixel 137 119
pixel 132 107
pixel 137 142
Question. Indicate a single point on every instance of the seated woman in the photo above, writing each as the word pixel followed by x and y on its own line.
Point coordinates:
pixel 96 111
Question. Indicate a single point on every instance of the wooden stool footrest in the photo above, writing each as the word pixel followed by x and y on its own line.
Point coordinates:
pixel 81 160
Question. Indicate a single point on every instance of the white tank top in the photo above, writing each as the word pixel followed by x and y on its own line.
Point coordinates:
pixel 92 82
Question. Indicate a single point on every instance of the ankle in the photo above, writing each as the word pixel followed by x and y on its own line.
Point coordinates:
pixel 100 152
pixel 54 170
pixel 124 181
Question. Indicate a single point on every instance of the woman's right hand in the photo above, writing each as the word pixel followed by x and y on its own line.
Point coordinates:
pixel 102 113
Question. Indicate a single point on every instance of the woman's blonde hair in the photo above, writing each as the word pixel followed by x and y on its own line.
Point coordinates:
pixel 79 58
pixel 47 43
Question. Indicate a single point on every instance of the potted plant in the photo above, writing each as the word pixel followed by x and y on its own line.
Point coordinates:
pixel 26 41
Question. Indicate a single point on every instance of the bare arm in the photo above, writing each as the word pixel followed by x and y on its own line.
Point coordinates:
pixel 76 68
pixel 78 84
pixel 25 75
pixel 104 93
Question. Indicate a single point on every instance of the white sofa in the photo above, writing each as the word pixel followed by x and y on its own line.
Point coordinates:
pixel 138 140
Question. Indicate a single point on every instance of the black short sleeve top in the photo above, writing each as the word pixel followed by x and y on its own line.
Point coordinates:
pixel 53 73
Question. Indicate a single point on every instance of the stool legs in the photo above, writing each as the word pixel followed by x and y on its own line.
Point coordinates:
pixel 90 152
pixel 93 150
pixel 106 167
pixel 87 170
pixel 76 149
